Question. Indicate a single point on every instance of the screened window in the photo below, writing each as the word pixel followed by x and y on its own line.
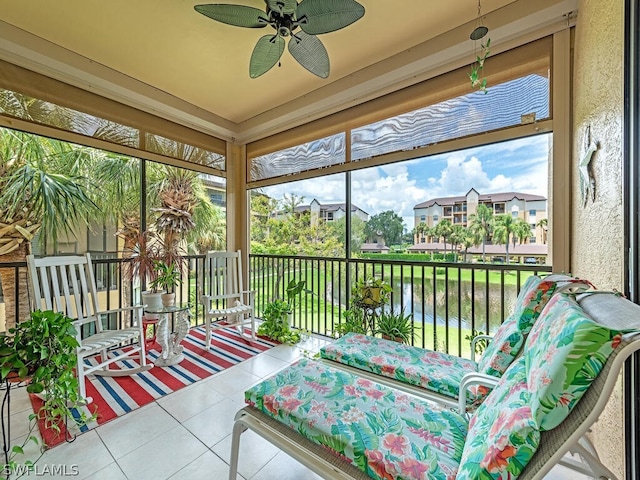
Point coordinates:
pixel 504 107
pixel 38 99
pixel 315 154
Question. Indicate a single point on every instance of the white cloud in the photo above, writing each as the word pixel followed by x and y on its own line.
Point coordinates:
pixel 461 175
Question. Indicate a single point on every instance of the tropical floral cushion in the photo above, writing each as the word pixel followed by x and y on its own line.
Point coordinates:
pixel 502 434
pixel 564 353
pixel 383 432
pixel 533 297
pixel 502 349
pixel 434 371
pixel 509 338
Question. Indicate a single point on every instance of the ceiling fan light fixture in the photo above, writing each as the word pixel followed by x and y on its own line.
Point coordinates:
pixel 313 17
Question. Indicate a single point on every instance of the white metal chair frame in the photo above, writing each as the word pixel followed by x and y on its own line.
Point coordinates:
pixel 223 296
pixel 67 284
pixel 569 436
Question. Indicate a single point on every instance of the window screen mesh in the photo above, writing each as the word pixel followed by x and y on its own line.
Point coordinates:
pixel 40 111
pixel 308 156
pixel 172 148
pixel 502 106
pixel 47 113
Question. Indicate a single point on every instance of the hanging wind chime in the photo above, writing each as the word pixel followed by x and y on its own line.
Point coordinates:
pixel 477 80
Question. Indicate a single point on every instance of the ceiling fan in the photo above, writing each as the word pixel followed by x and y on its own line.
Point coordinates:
pixel 311 17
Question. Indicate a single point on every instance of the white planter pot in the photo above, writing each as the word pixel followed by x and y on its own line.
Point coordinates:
pixel 152 300
pixel 168 299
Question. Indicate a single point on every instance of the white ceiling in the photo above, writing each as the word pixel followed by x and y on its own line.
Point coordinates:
pixel 164 57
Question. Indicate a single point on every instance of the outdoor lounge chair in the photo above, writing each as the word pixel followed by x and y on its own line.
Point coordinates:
pixel 225 301
pixel 67 284
pixel 341 425
pixel 438 375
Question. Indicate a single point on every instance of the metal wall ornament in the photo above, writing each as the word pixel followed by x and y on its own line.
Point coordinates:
pixel 587 180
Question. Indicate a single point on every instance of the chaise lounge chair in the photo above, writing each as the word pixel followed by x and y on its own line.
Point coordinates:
pixel 438 375
pixel 341 425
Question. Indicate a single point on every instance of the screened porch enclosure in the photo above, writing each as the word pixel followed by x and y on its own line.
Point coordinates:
pixel 336 153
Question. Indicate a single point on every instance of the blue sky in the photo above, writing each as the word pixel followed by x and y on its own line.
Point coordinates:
pixel 517 165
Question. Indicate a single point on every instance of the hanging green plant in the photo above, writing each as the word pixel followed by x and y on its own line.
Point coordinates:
pixel 477 80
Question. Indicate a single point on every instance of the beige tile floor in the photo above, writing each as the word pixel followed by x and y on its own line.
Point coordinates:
pixel 185 435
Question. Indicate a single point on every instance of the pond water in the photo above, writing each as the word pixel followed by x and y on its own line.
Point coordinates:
pixel 456 303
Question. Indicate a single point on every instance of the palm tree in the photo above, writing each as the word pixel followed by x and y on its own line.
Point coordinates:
pixel 420 230
pixel 468 241
pixel 543 224
pixel 504 226
pixel 444 229
pixel 458 236
pixel 177 197
pixel 481 225
pixel 42 189
pixel 521 231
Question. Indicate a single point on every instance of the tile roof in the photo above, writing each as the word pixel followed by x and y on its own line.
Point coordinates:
pixel 484 198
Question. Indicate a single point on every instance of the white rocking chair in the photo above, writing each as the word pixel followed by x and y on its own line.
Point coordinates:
pixel 223 296
pixel 67 284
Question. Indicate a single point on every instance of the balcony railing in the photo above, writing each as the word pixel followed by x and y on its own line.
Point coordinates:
pixel 448 301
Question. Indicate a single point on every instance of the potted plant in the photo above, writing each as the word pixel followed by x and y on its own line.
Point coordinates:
pixel 395 326
pixel 41 351
pixel 367 295
pixel 167 278
pixel 142 253
pixel 371 291
pixel 353 322
pixel 277 315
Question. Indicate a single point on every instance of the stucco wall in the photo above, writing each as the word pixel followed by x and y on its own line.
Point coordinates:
pixel 597 228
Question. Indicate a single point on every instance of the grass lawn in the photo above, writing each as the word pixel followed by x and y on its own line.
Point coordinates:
pixel 320 310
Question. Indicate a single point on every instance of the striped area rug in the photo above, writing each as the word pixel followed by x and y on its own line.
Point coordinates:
pixel 116 396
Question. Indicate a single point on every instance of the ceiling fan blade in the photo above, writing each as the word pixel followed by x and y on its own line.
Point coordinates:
pixel 324 16
pixel 265 55
pixel 309 51
pixel 237 15
pixel 287 6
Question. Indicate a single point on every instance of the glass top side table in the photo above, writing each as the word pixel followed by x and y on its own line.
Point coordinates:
pixel 169 336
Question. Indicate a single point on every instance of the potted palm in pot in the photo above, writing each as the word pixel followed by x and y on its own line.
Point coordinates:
pixel 395 326
pixel 167 279
pixel 142 253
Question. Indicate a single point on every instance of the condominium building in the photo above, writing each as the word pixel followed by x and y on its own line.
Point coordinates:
pixel 458 209
pixel 330 211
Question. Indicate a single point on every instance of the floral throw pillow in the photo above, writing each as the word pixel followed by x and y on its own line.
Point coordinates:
pixel 564 353
pixel 533 297
pixel 502 349
pixel 502 434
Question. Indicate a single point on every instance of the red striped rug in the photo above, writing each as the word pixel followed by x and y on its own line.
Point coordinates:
pixel 116 396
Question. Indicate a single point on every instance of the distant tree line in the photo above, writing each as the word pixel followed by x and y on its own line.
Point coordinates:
pixel 277 228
